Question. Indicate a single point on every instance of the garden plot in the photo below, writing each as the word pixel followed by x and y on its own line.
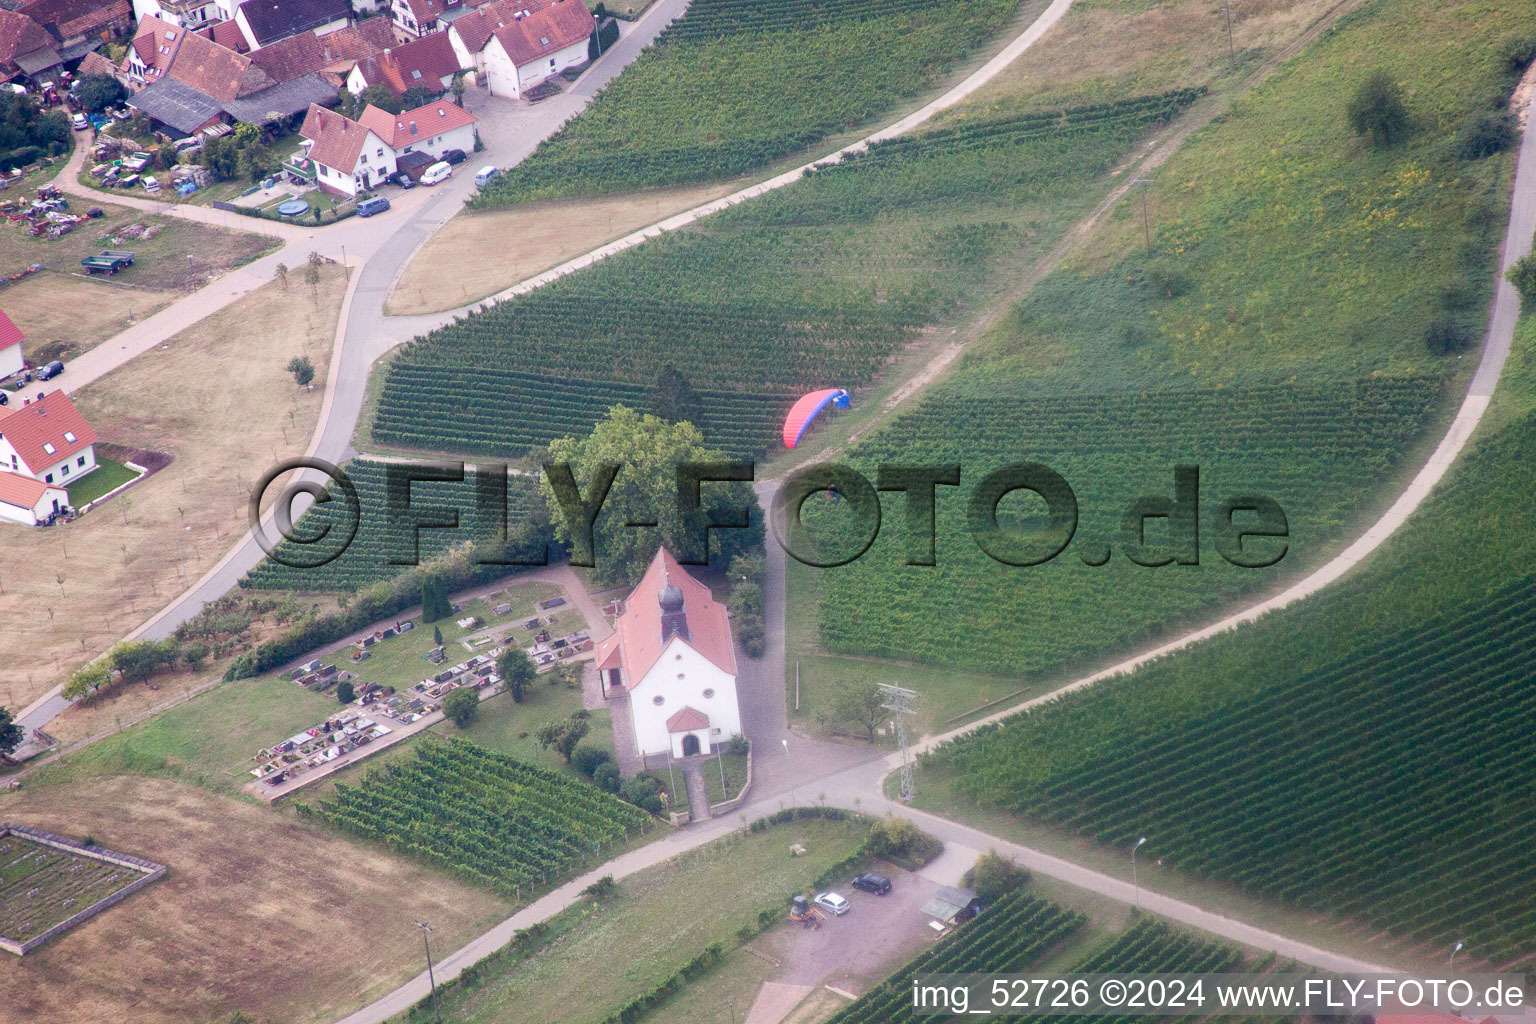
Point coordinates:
pixel 49 883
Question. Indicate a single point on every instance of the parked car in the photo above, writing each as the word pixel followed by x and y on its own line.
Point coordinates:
pixel 869 881
pixel 833 903
pixel 437 173
pixel 50 371
pixel 372 205
pixel 402 179
pixel 80 122
pixel 5 398
pixel 486 174
pixel 455 156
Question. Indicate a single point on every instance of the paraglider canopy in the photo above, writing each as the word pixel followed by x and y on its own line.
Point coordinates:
pixel 807 409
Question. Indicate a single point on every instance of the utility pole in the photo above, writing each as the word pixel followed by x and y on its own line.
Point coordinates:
pixel 901 702
pixel 1135 884
pixel 437 1013
pixel 1146 221
pixel 1231 50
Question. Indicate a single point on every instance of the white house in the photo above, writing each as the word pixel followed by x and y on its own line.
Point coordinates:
pixel 672 655
pixel 536 46
pixel 432 129
pixel 11 360
pixel 182 13
pixel 47 439
pixel 428 62
pixel 29 502
pixel 349 158
pixel 469 34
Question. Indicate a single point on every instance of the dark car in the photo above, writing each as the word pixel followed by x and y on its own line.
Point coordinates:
pixel 455 156
pixel 403 180
pixel 871 882
pixel 50 371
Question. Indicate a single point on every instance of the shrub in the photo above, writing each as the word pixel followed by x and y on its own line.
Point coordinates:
pixel 607 777
pixel 345 694
pixel 1167 278
pixel 1523 276
pixel 98 92
pixel 643 793
pixel 1377 109
pixel 588 758
pixel 751 634
pixel 1487 135
pixel 738 745
pixel 1444 336
pixel 993 876
pixel 462 705
pixel 303 370
pixel 602 888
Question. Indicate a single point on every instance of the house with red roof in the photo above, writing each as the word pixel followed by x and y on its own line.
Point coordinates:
pixel 11 360
pixel 428 62
pixel 672 659
pixel 27 51
pixel 45 445
pixel 414 19
pixel 352 156
pixel 536 45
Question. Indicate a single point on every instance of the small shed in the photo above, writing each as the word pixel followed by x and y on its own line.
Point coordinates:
pixel 952 905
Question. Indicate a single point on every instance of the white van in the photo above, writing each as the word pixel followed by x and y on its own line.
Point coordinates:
pixel 485 174
pixel 437 173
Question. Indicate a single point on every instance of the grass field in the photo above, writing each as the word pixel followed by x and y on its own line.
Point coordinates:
pixel 257 913
pixel 42 885
pixel 548 234
pixel 1454 567
pixel 108 475
pixel 134 553
pixel 160 263
pixel 624 946
pixel 822 282
pixel 63 315
pixel 734 86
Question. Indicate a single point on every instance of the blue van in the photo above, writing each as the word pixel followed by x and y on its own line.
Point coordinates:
pixel 371 206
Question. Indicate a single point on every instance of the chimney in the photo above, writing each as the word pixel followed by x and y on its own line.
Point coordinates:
pixel 413 128
pixel 674 619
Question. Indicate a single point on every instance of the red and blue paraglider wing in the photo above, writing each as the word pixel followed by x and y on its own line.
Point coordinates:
pixel 807 409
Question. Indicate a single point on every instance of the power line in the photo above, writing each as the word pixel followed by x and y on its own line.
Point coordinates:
pixel 901 702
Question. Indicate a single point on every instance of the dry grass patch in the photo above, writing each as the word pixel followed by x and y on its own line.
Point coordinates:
pixel 216 399
pixel 479 254
pixel 1109 49
pixel 71 314
pixel 257 913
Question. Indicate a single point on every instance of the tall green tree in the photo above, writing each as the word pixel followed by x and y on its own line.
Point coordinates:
pixel 517 670
pixel 1377 109
pixel 380 96
pixel 11 734
pixel 98 92
pixel 649 449
pixel 462 705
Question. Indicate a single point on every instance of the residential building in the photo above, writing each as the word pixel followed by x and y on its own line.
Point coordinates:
pixel 29 502
pixel 192 84
pixel 428 62
pixel 47 441
pixel 672 657
pixel 11 359
pixel 352 156
pixel 267 21
pixel 432 129
pixel 416 18
pixel 27 50
pixel 469 34
pixel 535 47
pixel 180 13
pixel 333 55
pixel 348 157
pixel 79 26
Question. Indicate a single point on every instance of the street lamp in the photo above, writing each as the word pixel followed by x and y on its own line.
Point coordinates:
pixel 1136 885
pixel 437 1013
pixel 1454 950
pixel 732 1001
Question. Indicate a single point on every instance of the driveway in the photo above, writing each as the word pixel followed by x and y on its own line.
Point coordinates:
pixel 859 948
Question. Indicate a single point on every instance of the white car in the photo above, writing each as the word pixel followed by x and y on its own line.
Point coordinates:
pixel 81 122
pixel 437 173
pixel 833 903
